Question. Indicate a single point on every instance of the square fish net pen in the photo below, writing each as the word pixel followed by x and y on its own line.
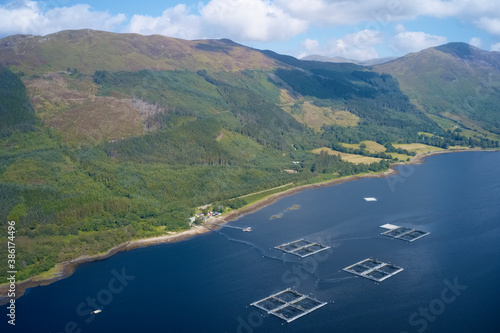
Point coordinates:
pixel 373 269
pixel 302 248
pixel 288 305
pixel 405 233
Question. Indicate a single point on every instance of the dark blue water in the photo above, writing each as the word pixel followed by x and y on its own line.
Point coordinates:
pixel 451 281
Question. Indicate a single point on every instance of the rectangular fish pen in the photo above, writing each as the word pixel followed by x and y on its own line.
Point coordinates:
pixel 403 233
pixel 288 305
pixel 302 248
pixel 373 269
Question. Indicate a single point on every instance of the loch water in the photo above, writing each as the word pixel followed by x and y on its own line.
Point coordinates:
pixel 450 281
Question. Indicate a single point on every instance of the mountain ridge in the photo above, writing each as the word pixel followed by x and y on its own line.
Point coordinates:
pixel 78 49
pixel 368 62
pixel 455 81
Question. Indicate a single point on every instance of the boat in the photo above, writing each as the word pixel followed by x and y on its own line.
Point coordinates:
pixel 248 229
pixel 96 311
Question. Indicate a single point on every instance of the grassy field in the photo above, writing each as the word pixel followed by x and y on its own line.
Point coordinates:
pixel 401 157
pixel 314 116
pixel 357 159
pixel 429 135
pixel 443 122
pixel 371 146
pixel 458 148
pixel 253 198
pixel 374 147
pixel 451 124
pixel 344 118
pixel 419 148
pixel 480 133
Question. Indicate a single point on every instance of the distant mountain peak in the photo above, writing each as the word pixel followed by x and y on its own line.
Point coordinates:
pixel 459 49
pixel 455 81
pixel 369 62
pixel 317 57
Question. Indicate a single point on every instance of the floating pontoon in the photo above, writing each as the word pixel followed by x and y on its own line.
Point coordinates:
pixel 229 226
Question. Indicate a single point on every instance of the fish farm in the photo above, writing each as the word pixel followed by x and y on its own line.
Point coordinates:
pixel 373 269
pixel 288 305
pixel 302 248
pixel 403 233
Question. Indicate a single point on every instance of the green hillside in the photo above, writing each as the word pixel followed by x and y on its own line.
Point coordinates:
pixel 455 81
pixel 131 133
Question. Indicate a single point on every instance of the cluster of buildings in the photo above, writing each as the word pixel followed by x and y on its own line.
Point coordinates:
pixel 204 217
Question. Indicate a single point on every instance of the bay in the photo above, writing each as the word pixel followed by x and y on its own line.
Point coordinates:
pixel 450 281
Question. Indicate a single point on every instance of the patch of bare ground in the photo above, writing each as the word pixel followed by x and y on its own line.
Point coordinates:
pixel 147 111
pixel 104 119
pixel 71 106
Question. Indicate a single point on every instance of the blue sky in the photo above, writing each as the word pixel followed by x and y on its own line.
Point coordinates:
pixel 361 29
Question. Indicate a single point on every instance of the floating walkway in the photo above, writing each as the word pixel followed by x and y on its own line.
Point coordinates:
pixel 230 226
pixel 404 233
pixel 302 248
pixel 288 305
pixel 373 269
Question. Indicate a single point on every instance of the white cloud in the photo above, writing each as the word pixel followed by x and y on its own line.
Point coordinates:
pixel 378 14
pixel 248 20
pixel 30 18
pixel 475 41
pixel 251 20
pixel 328 12
pixel 491 25
pixel 311 45
pixel 356 46
pixel 323 12
pixel 495 47
pixel 400 28
pixel 174 22
pixel 411 41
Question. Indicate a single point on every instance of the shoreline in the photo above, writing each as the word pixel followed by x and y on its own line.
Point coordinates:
pixel 66 269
